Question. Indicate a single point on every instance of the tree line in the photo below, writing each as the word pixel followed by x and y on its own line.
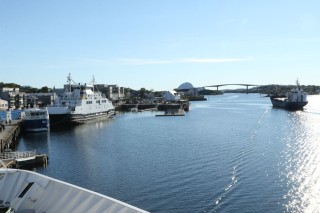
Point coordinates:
pixel 26 89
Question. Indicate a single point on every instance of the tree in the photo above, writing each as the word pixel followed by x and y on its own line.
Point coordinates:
pixel 44 89
pixel 142 92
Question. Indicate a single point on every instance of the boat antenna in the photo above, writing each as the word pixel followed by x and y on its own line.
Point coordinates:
pixel 298 85
pixel 93 81
pixel 69 81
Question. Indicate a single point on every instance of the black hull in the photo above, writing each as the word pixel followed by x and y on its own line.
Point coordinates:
pixel 292 106
pixel 59 119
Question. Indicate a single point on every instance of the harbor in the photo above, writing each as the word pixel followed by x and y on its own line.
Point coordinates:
pixel 197 160
pixel 159 106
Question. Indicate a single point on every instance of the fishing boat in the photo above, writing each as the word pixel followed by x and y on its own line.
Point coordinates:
pixel 79 103
pixel 296 99
pixel 35 120
pixel 28 191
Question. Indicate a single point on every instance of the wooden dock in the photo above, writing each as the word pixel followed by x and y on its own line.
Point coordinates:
pixel 9 135
pixel 8 140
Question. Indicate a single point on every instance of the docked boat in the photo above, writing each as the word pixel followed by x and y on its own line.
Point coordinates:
pixel 35 120
pixel 296 99
pixel 80 103
pixel 27 191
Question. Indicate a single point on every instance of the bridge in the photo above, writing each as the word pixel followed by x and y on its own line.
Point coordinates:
pixel 246 85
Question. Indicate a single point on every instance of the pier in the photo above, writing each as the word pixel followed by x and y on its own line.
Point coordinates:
pixel 9 135
pixel 8 141
pixel 156 106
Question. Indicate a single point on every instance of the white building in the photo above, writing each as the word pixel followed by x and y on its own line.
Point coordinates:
pixel 3 104
pixel 14 97
pixel 170 96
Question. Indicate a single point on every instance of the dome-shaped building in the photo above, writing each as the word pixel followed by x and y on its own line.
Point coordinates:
pixel 185 86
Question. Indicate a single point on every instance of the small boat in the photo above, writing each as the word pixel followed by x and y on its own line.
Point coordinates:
pixel 296 99
pixel 28 191
pixel 173 112
pixel 35 120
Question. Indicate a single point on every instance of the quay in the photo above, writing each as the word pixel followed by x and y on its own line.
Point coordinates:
pixel 8 141
pixel 156 106
pixel 9 135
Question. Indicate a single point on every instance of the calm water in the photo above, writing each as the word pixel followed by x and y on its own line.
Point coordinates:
pixel 232 153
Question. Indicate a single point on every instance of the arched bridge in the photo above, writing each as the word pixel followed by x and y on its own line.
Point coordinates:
pixel 246 85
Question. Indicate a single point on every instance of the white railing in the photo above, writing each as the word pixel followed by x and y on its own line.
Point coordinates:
pixel 17 155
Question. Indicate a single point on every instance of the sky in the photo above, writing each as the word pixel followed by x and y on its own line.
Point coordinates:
pixel 159 44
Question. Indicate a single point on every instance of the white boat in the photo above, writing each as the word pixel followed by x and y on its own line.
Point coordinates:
pixel 35 120
pixel 80 103
pixel 27 191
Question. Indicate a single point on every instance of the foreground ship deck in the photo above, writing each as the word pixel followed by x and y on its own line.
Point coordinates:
pixel 26 191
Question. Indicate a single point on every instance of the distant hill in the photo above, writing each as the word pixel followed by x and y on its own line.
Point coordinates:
pixel 277 89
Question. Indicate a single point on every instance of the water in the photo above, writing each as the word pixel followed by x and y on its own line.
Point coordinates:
pixel 232 153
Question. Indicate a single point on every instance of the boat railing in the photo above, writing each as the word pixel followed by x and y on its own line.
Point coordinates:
pixel 17 155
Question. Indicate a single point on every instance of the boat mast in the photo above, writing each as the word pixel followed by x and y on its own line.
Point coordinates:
pixel 93 80
pixel 69 80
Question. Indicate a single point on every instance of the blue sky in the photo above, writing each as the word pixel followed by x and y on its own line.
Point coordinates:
pixel 159 44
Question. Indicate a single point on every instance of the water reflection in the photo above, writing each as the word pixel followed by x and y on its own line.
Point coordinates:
pixel 302 157
pixel 233 153
pixel 39 141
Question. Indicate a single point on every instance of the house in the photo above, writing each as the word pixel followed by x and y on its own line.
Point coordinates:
pixel 3 105
pixel 39 99
pixel 14 97
pixel 113 92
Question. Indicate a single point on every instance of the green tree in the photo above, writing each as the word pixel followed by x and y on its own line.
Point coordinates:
pixel 44 89
pixel 142 92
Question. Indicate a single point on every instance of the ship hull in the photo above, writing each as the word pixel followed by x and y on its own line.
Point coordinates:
pixel 36 125
pixel 74 119
pixel 85 118
pixel 59 119
pixel 288 105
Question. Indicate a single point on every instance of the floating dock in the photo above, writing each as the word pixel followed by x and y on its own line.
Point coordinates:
pixel 175 112
pixel 21 159
pixel 158 106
